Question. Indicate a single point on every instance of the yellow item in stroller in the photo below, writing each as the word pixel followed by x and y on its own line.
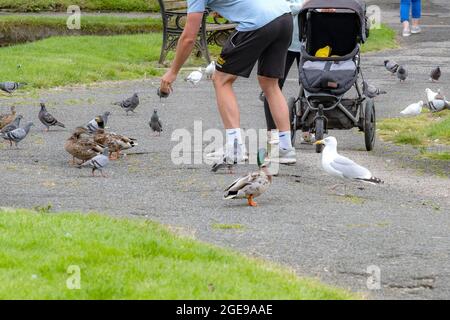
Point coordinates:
pixel 323 52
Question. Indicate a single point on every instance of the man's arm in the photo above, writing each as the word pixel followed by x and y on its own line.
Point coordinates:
pixel 184 48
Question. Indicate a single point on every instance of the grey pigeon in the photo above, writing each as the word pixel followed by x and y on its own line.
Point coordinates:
pixel 129 104
pixel 402 73
pixel 155 123
pixel 17 135
pixel 371 91
pixel 438 105
pixel 99 122
pixel 99 162
pixel 228 161
pixel 435 74
pixel 391 66
pixel 10 86
pixel 12 126
pixel 47 119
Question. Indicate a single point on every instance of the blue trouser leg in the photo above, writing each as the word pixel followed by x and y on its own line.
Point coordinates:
pixel 405 8
pixel 416 9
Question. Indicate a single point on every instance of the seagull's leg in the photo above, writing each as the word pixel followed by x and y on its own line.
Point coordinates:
pixel 104 175
pixel 251 202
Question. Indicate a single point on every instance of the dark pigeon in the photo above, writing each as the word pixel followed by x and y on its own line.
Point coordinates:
pixel 47 119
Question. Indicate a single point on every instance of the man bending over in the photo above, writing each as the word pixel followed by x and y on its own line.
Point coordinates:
pixel 263 35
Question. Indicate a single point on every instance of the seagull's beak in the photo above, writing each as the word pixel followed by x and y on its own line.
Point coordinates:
pixel 319 142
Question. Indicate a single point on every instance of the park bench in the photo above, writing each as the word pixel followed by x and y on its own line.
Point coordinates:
pixel 214 30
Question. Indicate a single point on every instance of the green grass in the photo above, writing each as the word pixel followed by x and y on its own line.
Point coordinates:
pixel 425 130
pixel 89 5
pixel 380 39
pixel 60 61
pixel 132 259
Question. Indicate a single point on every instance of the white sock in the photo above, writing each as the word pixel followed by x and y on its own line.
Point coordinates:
pixel 233 134
pixel 285 140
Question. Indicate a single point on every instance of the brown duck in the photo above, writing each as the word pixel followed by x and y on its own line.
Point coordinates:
pixel 115 142
pixel 6 119
pixel 82 146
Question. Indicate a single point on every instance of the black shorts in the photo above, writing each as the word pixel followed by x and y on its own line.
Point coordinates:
pixel 267 45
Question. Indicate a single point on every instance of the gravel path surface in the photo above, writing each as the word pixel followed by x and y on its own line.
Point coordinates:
pixel 402 227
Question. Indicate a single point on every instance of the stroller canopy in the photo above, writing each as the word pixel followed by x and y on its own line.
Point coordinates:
pixel 356 6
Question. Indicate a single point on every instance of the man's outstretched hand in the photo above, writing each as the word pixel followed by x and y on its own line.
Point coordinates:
pixel 166 82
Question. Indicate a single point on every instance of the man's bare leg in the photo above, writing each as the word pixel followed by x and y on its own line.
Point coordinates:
pixel 226 99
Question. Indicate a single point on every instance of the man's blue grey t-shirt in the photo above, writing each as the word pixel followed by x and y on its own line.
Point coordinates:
pixel 249 14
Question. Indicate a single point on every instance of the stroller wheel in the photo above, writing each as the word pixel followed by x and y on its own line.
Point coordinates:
pixel 319 134
pixel 369 125
pixel 292 118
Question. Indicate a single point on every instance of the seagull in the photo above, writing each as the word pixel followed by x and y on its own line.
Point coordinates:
pixel 402 73
pixel 391 66
pixel 99 162
pixel 194 77
pixel 413 109
pixel 210 69
pixel 47 119
pixel 435 74
pixel 342 167
pixel 371 91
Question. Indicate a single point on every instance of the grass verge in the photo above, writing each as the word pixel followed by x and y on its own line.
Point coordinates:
pixel 380 39
pixel 89 5
pixel 427 132
pixel 132 259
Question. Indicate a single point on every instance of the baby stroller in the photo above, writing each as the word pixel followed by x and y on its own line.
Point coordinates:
pixel 324 81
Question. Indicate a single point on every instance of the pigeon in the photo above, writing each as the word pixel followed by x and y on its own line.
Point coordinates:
pixel 47 119
pixel 155 123
pixel 17 135
pixel 210 69
pixel 438 105
pixel 194 77
pixel 130 104
pixel 431 95
pixel 98 122
pixel 342 167
pixel 391 66
pixel 413 109
pixel 99 162
pixel 435 74
pixel 10 87
pixel 402 73
pixel 13 125
pixel 228 161
pixel 371 91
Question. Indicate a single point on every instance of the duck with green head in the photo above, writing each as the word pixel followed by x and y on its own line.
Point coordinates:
pixel 252 185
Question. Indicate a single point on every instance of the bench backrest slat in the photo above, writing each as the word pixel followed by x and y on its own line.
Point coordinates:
pixel 171 5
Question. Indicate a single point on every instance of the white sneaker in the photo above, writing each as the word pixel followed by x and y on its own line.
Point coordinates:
pixel 406 32
pixel 416 29
pixel 218 154
pixel 285 156
pixel 308 138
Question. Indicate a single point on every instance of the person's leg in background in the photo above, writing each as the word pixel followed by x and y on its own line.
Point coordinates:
pixel 291 56
pixel 416 15
pixel 405 9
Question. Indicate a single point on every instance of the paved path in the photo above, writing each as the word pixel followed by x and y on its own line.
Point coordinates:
pixel 401 227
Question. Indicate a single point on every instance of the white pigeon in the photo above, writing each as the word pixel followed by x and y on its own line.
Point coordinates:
pixel 431 95
pixel 194 77
pixel 342 167
pixel 210 69
pixel 413 109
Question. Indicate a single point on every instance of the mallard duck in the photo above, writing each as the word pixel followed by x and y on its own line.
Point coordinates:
pixel 82 146
pixel 7 118
pixel 252 185
pixel 115 142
